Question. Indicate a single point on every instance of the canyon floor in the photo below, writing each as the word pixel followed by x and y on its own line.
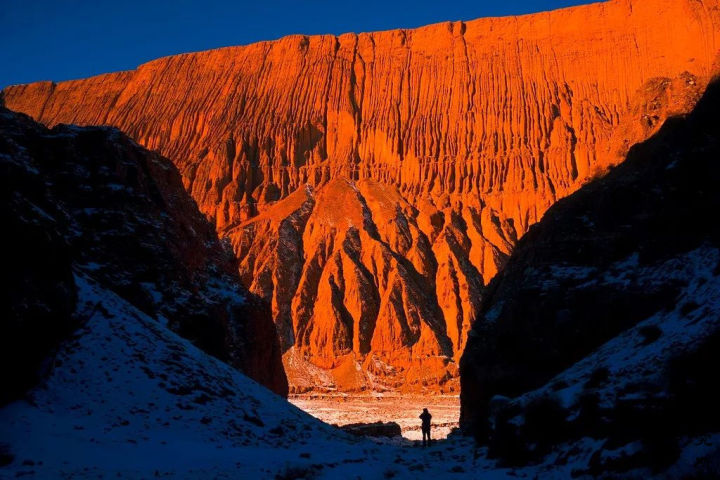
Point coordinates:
pixel 175 412
pixel 370 408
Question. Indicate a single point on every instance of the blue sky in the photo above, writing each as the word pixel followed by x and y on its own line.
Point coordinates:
pixel 64 39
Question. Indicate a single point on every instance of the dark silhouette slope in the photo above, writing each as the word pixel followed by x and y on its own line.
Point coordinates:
pixel 637 248
pixel 91 200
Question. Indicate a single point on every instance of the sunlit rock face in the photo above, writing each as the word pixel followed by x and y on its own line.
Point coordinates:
pixel 372 183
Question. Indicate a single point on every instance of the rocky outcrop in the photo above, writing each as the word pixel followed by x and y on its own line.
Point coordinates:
pixel 377 429
pixel 357 283
pixel 444 144
pixel 91 201
pixel 604 322
pixel 39 298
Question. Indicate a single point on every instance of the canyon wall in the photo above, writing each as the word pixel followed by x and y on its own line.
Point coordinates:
pixel 371 184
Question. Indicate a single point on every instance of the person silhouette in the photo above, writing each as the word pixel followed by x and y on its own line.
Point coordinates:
pixel 425 417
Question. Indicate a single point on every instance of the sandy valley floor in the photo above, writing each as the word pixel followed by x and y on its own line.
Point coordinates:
pixel 345 409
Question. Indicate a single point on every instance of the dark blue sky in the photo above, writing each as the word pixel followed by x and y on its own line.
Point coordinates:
pixel 64 39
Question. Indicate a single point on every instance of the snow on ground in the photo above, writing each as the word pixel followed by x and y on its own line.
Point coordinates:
pixel 128 395
pixel 127 398
pixel 628 357
pixel 635 363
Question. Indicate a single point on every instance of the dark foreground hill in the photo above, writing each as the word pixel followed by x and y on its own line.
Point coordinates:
pixel 605 324
pixel 91 202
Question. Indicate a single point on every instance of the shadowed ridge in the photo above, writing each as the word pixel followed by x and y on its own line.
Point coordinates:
pixel 601 303
pixel 91 201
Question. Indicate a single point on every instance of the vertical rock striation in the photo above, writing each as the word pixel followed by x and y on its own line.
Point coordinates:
pixel 372 183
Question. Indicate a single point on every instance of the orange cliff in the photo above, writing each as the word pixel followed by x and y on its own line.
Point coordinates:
pixel 371 184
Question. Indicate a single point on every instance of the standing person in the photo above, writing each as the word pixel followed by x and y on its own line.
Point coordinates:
pixel 425 417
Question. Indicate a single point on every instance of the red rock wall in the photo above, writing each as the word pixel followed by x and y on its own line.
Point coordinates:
pixel 372 183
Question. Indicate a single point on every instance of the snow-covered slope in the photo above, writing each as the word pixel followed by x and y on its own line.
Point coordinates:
pixel 646 397
pixel 127 397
